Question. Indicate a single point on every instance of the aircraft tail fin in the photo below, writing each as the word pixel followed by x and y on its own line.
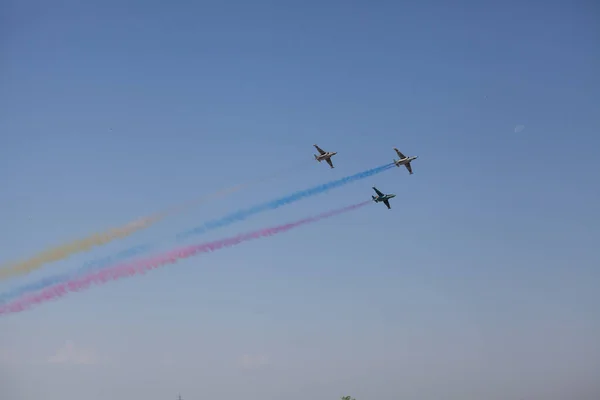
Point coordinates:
pixel 373 197
pixel 316 158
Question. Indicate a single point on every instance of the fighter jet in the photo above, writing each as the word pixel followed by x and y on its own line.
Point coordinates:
pixel 324 155
pixel 382 197
pixel 404 160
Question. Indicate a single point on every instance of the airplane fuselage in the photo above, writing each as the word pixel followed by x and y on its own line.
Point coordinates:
pixel 325 156
pixel 378 199
pixel 405 160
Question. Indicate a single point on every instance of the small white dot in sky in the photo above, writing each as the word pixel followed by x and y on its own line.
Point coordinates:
pixel 519 128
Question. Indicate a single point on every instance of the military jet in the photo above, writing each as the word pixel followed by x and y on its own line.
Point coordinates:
pixel 324 155
pixel 404 160
pixel 382 197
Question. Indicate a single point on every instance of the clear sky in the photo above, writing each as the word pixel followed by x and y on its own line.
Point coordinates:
pixel 481 282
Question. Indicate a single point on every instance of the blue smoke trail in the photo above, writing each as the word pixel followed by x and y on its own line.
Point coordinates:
pixel 229 219
pixel 88 266
pixel 243 214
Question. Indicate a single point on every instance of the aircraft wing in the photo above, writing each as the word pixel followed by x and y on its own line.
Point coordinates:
pixel 408 167
pixel 329 162
pixel 377 191
pixel 387 203
pixel 320 150
pixel 399 153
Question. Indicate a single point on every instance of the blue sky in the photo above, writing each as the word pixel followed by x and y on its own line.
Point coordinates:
pixel 481 282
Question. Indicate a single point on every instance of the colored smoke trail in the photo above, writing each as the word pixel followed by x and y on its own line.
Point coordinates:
pixel 229 219
pixel 105 261
pixel 171 257
pixel 98 239
pixel 243 214
pixel 87 267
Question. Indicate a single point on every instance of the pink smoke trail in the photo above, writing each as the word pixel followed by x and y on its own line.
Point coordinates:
pixel 141 266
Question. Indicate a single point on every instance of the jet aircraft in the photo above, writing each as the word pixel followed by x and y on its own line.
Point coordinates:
pixel 404 160
pixel 324 155
pixel 384 198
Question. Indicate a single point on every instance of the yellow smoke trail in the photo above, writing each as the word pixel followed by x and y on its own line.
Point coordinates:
pixel 98 239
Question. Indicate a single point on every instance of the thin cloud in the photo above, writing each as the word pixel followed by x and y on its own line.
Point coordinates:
pixel 74 355
pixel 248 361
